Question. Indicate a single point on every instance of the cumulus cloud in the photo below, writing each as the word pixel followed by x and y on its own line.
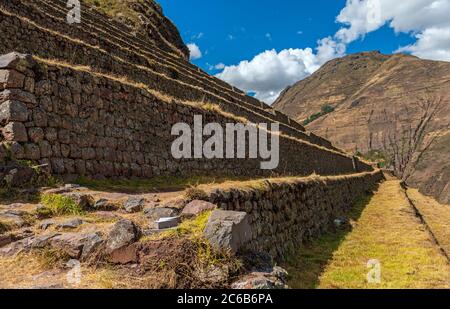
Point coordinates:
pixel 268 73
pixel 195 52
pixel 427 20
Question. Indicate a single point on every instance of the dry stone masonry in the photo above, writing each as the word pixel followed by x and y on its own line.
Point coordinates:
pixel 83 124
pixel 280 215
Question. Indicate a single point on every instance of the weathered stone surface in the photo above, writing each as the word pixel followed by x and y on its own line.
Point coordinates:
pixel 16 61
pixel 155 214
pixel 17 95
pixel 106 205
pixel 134 204
pixel 44 225
pixel 13 111
pixel 83 200
pixel 196 207
pixel 122 234
pixel 27 244
pixel 70 224
pixel 19 176
pixel 77 245
pixel 11 79
pixel 5 240
pixel 213 274
pixel 16 150
pixel 276 279
pixel 125 255
pixel 36 134
pixel 32 151
pixel 228 230
pixel 69 243
pixel 92 244
pixel 15 131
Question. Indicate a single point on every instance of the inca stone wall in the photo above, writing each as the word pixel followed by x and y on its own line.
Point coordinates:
pixel 284 214
pixel 100 100
pixel 80 124
pixel 39 28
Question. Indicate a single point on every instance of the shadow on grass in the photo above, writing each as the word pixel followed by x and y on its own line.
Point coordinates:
pixel 308 263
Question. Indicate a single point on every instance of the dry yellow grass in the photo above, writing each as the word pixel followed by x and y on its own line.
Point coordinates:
pixel 388 230
pixel 436 216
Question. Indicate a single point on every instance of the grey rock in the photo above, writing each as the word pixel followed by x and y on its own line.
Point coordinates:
pixel 16 61
pixel 70 224
pixel 70 243
pixel 122 234
pixel 11 79
pixel 83 200
pixel 106 205
pixel 15 131
pixel 196 207
pixel 20 176
pixel 13 111
pixel 228 230
pixel 213 274
pixel 134 204
pixel 91 245
pixel 276 279
pixel 155 214
pixel 17 95
pixel 44 225
pixel 32 151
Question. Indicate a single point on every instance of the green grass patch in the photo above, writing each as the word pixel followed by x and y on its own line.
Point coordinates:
pixel 58 205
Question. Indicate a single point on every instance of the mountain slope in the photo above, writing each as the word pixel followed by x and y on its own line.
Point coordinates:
pixel 390 107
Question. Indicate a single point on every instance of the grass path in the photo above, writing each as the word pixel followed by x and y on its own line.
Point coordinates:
pixel 386 229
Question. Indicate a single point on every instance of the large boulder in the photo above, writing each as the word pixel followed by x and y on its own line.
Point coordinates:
pixel 134 204
pixel 122 234
pixel 121 247
pixel 155 214
pixel 229 230
pixel 77 245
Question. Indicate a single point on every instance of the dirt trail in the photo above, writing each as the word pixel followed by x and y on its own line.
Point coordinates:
pixel 386 231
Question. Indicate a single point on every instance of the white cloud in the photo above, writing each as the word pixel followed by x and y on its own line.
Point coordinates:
pixel 219 66
pixel 195 52
pixel 427 20
pixel 269 36
pixel 268 73
pixel 198 36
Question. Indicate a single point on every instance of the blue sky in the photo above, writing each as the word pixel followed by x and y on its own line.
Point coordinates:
pixel 230 31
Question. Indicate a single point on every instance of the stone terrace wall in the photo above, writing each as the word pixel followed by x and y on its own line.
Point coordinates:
pixel 282 215
pixel 97 44
pixel 82 124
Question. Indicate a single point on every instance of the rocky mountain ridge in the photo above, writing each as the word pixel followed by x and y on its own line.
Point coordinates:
pixel 393 108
